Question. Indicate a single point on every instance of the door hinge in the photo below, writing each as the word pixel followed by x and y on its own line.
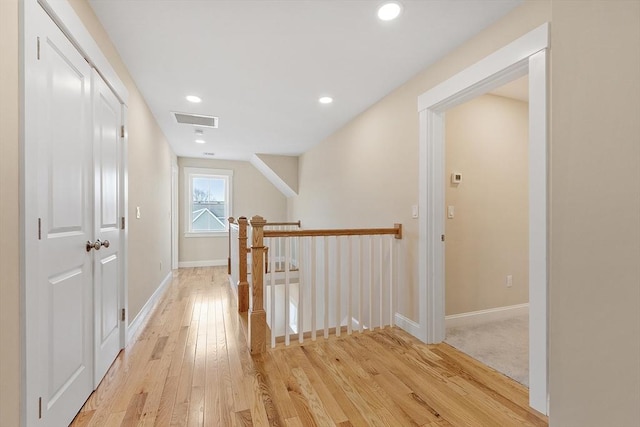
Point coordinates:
pixel 39 408
pixel 122 131
pixel 122 223
pixel 38 48
pixel 123 315
pixel 442 237
pixel 39 229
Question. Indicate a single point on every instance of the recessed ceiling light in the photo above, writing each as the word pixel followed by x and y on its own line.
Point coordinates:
pixel 200 141
pixel 325 100
pixel 389 10
pixel 193 98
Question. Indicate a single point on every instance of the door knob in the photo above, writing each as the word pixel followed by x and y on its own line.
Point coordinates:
pixel 106 243
pixel 97 245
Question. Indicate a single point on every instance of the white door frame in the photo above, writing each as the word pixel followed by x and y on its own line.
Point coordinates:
pixel 174 215
pixel 65 17
pixel 526 54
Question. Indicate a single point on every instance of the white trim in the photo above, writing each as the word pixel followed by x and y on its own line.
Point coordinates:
pixel 65 17
pixel 141 319
pixel 486 74
pixel 175 206
pixel 407 324
pixel 189 235
pixel 227 174
pixel 485 316
pixel 528 53
pixel 203 263
pixel 272 176
pixel 124 213
pixel 538 233
pixel 29 257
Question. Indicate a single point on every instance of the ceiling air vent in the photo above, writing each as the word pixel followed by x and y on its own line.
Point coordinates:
pixel 196 120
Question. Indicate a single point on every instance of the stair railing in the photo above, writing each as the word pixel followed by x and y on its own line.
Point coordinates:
pixel 331 281
pixel 239 252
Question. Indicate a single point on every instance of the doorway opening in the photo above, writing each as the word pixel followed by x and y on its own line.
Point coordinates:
pixel 526 55
pixel 486 227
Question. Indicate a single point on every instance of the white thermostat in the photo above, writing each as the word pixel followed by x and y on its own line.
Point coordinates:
pixel 456 178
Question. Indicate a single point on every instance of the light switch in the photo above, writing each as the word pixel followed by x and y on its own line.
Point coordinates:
pixel 414 211
pixel 138 212
pixel 450 211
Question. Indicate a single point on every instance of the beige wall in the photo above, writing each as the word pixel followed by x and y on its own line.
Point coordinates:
pixel 253 194
pixel 366 174
pixel 487 142
pixel 594 291
pixel 286 167
pixel 594 288
pixel 9 217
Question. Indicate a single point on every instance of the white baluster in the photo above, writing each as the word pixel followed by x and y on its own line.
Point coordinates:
pixel 371 269
pixel 326 287
pixel 287 297
pixel 380 277
pixel 314 312
pixel 361 287
pixel 338 287
pixel 391 277
pixel 272 280
pixel 300 260
pixel 350 281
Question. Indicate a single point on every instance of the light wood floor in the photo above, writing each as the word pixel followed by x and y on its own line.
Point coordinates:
pixel 190 366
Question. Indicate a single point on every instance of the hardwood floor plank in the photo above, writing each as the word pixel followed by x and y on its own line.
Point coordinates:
pixel 367 387
pixel 297 359
pixel 243 418
pixel 359 402
pixel 337 392
pixel 225 396
pixel 134 411
pixel 190 366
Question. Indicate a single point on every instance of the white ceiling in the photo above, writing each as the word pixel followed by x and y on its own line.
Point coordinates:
pixel 261 65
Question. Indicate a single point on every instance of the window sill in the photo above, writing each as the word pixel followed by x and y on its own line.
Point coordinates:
pixel 189 235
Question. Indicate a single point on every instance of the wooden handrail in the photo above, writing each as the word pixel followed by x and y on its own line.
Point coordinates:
pixel 396 231
pixel 296 223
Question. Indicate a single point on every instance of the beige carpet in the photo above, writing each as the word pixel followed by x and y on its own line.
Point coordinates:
pixel 502 345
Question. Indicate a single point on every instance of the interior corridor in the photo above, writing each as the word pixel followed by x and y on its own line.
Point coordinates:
pixel 190 366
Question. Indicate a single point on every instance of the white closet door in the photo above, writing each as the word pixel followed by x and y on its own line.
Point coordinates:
pixel 65 205
pixel 107 119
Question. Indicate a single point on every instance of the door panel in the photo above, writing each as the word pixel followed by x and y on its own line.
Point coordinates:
pixel 64 191
pixel 108 267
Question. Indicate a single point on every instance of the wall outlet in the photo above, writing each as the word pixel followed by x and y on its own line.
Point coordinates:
pixel 509 281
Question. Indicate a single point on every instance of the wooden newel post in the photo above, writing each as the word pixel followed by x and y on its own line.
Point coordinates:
pixel 257 315
pixel 243 284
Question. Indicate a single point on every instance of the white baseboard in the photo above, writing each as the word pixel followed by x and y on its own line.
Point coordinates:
pixel 143 316
pixel 484 316
pixel 407 325
pixel 203 263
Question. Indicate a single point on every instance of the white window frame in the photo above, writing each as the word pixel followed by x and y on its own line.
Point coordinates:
pixel 189 172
